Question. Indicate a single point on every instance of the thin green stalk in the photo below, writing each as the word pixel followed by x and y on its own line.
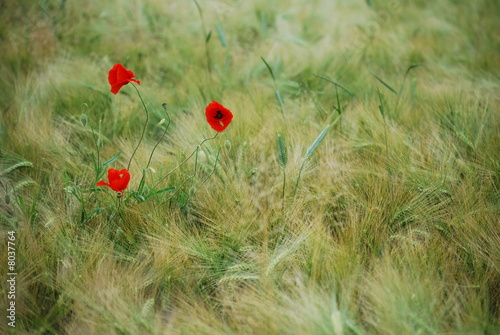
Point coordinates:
pixel 339 107
pixel 210 175
pixel 159 141
pixel 276 90
pixel 311 150
pixel 143 130
pixel 98 151
pixel 191 177
pixel 283 194
pixel 184 161
pixel 205 36
pixel 194 174
pixel 298 178
pixel 382 111
pixel 141 184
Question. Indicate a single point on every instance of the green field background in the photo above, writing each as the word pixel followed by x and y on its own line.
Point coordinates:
pixel 356 191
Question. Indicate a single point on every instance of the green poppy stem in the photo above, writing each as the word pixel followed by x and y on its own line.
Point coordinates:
pixel 143 130
pixel 141 184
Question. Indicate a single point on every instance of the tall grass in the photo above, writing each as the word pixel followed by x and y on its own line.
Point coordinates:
pixel 393 227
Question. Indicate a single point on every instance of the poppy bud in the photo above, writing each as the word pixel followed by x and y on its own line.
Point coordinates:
pixel 99 142
pixel 162 121
pixel 227 144
pixel 202 156
pixel 191 191
pixel 151 169
pixel 164 105
pixel 83 120
pixel 7 199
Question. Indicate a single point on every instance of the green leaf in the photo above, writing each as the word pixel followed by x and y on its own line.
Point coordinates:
pixel 333 82
pixel 94 213
pixel 411 67
pixel 381 106
pixel 111 160
pixel 384 83
pixel 282 156
pixel 317 142
pixel 164 190
pixel 209 35
pixel 269 68
pixel 280 100
pixel 222 37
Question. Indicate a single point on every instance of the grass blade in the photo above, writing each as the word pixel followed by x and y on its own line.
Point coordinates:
pixel 411 67
pixel 111 160
pixel 384 83
pixel 270 70
pixel 381 106
pixel 317 142
pixel 333 82
pixel 163 190
pixel 222 37
pixel 280 100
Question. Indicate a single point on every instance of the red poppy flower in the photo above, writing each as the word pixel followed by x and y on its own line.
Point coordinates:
pixel 118 180
pixel 119 76
pixel 218 116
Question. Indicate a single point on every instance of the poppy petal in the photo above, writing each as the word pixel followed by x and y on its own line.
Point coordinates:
pixel 113 174
pixel 120 184
pixel 119 76
pixel 112 75
pixel 116 88
pixel 218 117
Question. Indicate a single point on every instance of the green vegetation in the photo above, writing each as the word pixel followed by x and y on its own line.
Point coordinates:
pixel 356 191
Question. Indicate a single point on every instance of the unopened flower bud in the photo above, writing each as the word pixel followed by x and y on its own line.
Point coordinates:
pixel 164 105
pixel 162 121
pixel 99 142
pixel 7 199
pixel 83 120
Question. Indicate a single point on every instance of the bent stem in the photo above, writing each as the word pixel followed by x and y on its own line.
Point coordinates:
pixel 143 130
